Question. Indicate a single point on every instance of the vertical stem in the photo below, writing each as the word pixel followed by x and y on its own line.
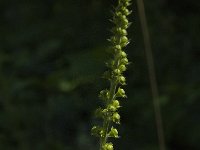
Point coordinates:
pixel 106 122
pixel 152 74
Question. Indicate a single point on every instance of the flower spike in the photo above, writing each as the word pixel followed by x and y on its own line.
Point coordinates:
pixel 116 67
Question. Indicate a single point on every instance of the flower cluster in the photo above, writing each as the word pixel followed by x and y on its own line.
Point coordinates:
pixel 117 65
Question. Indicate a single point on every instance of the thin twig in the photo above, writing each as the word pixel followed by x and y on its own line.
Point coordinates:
pixel 152 74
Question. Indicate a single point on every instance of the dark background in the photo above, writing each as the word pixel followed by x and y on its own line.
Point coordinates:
pixel 52 55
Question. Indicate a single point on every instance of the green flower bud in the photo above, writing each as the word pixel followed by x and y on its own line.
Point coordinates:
pixel 113 133
pixel 116 118
pixel 124 61
pixel 120 93
pixel 116 104
pixel 124 41
pixel 108 146
pixel 112 108
pixel 123 32
pixel 122 68
pixel 123 54
pixel 125 21
pixel 117 71
pixel 122 80
pixel 124 17
pixel 105 111
pixel 119 31
pixel 118 14
pixel 126 3
pixel 125 24
pixel 126 12
pixel 118 47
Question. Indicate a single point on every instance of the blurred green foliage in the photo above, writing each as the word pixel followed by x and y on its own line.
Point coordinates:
pixel 52 55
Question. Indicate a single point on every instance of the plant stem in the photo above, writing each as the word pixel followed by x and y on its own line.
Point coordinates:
pixel 106 122
pixel 152 74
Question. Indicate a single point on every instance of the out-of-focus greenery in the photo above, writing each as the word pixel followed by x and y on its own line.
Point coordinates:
pixel 52 55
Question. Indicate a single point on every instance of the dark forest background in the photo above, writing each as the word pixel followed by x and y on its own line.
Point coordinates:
pixel 52 55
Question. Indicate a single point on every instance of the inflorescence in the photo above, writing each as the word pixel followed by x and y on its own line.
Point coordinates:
pixel 117 65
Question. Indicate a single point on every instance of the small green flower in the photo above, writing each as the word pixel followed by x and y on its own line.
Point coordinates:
pixel 113 133
pixel 108 146
pixel 117 71
pixel 124 61
pixel 120 93
pixel 119 31
pixel 116 118
pixel 116 104
pixel 123 32
pixel 112 108
pixel 118 47
pixel 124 41
pixel 122 80
pixel 123 54
pixel 126 11
pixel 122 68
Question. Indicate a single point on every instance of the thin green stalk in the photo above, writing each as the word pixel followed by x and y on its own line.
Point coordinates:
pixel 106 123
pixel 152 74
